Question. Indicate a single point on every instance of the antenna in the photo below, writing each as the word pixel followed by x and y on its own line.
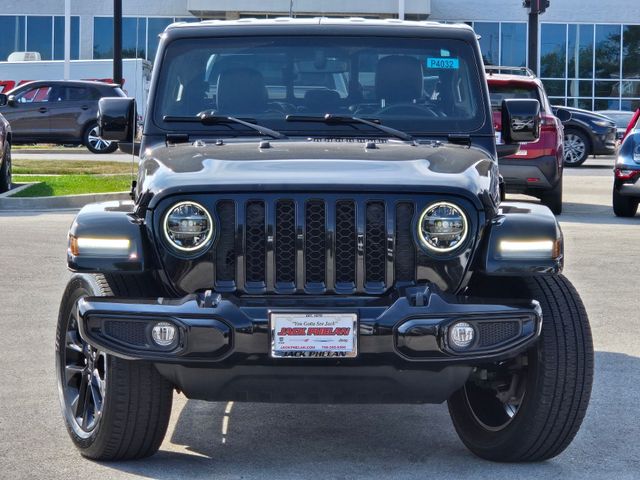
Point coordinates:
pixel 291 8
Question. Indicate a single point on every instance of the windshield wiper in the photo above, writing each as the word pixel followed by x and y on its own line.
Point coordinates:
pixel 332 119
pixel 208 117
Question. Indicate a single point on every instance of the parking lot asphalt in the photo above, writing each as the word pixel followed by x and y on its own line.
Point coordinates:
pixel 225 441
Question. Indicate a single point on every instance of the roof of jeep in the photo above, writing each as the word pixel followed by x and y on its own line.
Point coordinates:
pixel 320 26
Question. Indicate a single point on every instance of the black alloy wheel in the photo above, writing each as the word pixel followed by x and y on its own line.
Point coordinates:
pixel 85 381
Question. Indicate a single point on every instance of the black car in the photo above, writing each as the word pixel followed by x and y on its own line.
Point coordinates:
pixel 5 154
pixel 294 241
pixel 61 112
pixel 585 133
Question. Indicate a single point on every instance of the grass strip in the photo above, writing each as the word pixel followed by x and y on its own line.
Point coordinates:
pixel 72 185
pixel 69 167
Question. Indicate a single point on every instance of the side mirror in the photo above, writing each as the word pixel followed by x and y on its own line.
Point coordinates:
pixel 520 120
pixel 8 100
pixel 117 118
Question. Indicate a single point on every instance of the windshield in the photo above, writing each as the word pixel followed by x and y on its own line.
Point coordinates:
pixel 421 86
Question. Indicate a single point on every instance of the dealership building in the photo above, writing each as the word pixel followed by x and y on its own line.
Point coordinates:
pixel 589 50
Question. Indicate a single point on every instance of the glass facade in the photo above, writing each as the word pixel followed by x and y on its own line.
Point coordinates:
pixel 503 43
pixel 38 33
pixel 591 66
pixel 139 35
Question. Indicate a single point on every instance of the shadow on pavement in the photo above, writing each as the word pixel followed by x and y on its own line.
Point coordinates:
pixel 392 441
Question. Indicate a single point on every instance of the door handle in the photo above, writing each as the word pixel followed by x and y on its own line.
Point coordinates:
pixel 84 107
pixel 43 110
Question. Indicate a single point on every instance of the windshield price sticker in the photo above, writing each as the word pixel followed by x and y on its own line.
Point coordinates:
pixel 443 63
pixel 313 335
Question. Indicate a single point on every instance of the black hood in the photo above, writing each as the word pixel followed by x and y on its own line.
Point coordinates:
pixel 318 165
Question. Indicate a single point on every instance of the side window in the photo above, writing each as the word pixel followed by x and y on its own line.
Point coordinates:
pixel 94 94
pixel 34 95
pixel 78 94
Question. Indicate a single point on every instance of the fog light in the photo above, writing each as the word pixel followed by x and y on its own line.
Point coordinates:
pixel 163 333
pixel 461 335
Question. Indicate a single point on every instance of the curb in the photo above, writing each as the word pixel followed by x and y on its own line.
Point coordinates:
pixel 48 151
pixel 58 203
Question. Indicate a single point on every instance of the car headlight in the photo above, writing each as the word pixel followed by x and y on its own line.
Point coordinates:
pixel 188 226
pixel 603 123
pixel 442 227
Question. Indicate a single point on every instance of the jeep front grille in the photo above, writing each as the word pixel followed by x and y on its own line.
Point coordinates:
pixel 314 245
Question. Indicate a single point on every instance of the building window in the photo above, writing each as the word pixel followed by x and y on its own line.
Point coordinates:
pixel 602 68
pixel 513 44
pixel 134 37
pixel 489 33
pixel 580 51
pixel 139 36
pixel 12 36
pixel 58 38
pixel 553 50
pixel 607 51
pixel 40 36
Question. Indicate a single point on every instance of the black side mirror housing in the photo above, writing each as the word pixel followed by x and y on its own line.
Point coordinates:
pixel 7 100
pixel 117 118
pixel 520 121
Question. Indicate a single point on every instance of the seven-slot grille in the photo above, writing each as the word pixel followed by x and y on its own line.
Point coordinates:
pixel 315 245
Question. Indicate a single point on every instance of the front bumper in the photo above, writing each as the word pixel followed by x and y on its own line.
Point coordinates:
pixel 604 141
pixel 223 349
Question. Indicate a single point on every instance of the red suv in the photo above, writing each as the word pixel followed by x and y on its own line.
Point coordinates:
pixel 536 169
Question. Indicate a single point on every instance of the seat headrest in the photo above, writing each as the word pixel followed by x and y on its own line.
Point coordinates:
pixel 399 79
pixel 241 91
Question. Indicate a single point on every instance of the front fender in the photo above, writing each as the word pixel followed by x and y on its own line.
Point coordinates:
pixel 107 237
pixel 523 239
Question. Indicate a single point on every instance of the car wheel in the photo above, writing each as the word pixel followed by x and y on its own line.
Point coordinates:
pixel 576 148
pixel 553 198
pixel 95 144
pixel 531 407
pixel 113 409
pixel 624 206
pixel 5 170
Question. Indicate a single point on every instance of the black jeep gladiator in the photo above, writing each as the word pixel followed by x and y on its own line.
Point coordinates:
pixel 317 218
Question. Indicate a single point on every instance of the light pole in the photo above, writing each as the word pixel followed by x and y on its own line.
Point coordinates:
pixel 401 9
pixel 117 42
pixel 536 8
pixel 67 39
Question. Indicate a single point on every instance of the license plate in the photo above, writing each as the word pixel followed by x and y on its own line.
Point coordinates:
pixel 314 335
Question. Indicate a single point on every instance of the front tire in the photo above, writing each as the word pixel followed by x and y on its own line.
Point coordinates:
pixel 530 409
pixel 95 143
pixel 576 148
pixel 624 206
pixel 5 170
pixel 113 409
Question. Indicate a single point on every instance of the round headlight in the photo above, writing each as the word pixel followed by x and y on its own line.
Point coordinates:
pixel 442 227
pixel 188 226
